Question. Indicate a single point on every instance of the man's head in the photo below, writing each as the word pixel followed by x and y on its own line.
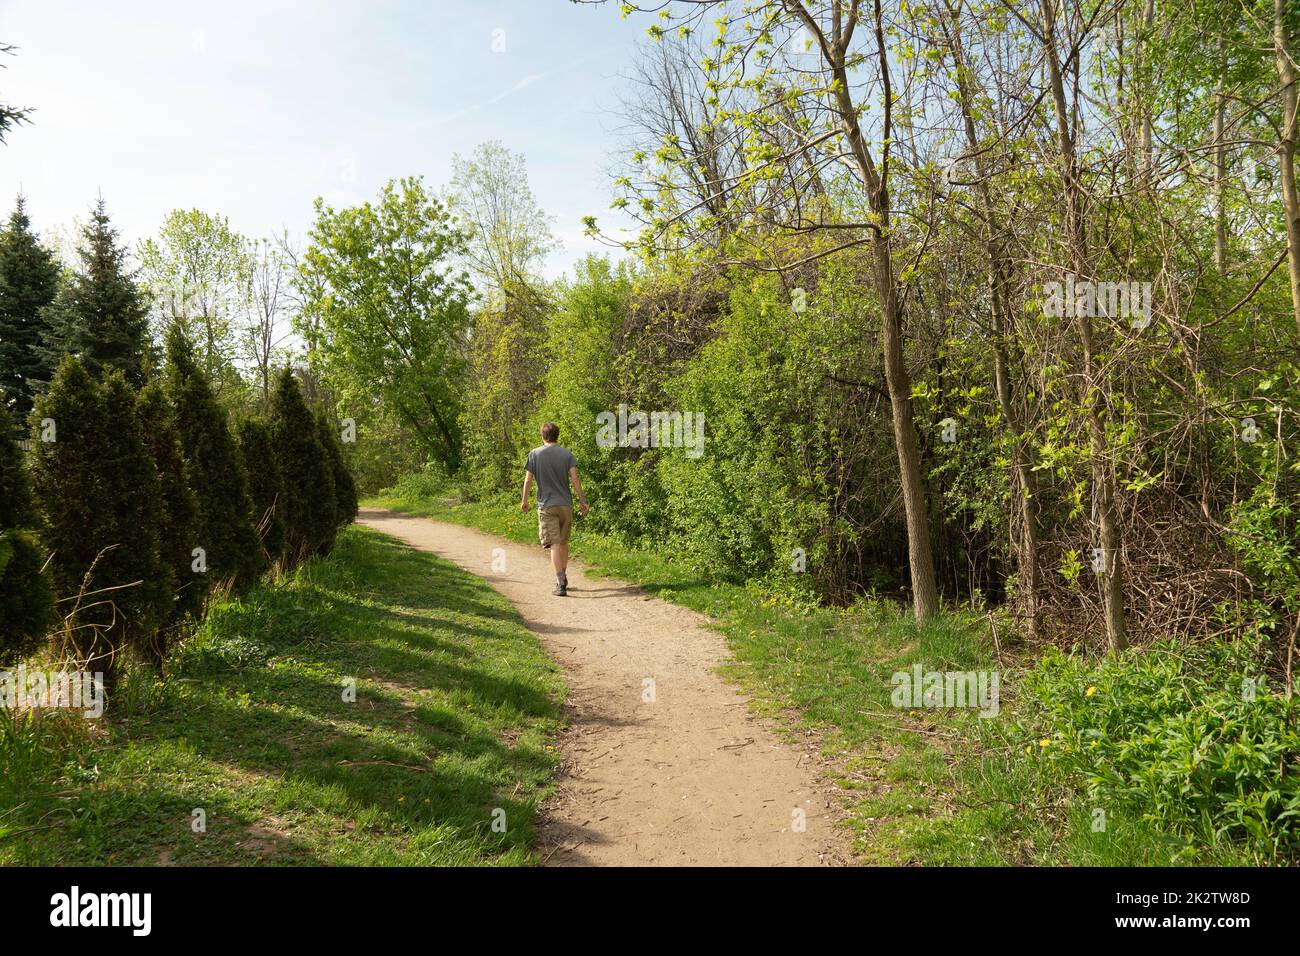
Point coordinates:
pixel 550 432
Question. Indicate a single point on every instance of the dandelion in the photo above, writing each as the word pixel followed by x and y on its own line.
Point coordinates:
pixel 1089 692
pixel 1045 742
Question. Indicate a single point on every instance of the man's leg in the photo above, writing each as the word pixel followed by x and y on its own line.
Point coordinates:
pixel 560 549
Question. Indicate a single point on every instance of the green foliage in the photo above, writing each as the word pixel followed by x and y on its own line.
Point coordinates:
pixel 216 473
pixel 310 506
pixel 384 449
pixel 582 344
pixel 101 499
pixel 26 603
pixel 508 236
pixel 101 314
pixel 29 279
pixel 388 309
pixel 507 357
pixel 179 528
pixel 265 484
pixel 1189 739
pixel 199 272
pixel 17 509
pixel 345 488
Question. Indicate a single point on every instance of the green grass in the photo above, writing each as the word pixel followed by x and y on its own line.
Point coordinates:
pixel 455 711
pixel 939 787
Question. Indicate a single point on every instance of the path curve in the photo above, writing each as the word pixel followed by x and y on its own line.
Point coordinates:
pixel 692 778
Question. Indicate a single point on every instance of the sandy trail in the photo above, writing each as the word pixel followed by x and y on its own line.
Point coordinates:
pixel 687 778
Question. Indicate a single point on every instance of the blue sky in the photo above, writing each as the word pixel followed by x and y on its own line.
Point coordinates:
pixel 254 109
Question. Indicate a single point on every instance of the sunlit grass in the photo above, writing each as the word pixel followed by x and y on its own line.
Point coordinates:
pixel 451 729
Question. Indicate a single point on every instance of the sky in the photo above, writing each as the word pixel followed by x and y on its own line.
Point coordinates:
pixel 253 109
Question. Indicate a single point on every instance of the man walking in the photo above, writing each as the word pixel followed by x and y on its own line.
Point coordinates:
pixel 553 466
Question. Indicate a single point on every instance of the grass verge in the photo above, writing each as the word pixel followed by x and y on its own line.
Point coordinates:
pixel 449 733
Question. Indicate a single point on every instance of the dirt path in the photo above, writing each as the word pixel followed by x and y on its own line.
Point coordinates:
pixel 683 775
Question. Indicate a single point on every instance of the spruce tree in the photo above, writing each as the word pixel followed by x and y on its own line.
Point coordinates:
pixel 345 488
pixel 265 484
pixel 101 500
pixel 102 314
pixel 26 602
pixel 178 531
pixel 29 279
pixel 310 513
pixel 232 551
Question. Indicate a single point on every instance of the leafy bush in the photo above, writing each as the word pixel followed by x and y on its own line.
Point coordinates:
pixel 101 497
pixel 1187 738
pixel 345 489
pixel 26 604
pixel 430 483
pixel 216 471
pixel 178 529
pixel 310 525
pixel 265 484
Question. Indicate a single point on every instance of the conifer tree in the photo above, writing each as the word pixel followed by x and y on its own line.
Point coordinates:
pixel 101 500
pixel 308 479
pixel 102 314
pixel 29 280
pixel 265 485
pixel 345 489
pixel 178 531
pixel 231 549
pixel 26 602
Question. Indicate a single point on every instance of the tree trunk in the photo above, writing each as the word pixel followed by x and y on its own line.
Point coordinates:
pixel 1286 71
pixel 1220 172
pixel 925 593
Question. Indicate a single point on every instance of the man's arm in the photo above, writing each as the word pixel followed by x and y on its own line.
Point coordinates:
pixel 528 483
pixel 577 486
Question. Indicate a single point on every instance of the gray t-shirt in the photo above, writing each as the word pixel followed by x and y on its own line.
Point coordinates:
pixel 549 466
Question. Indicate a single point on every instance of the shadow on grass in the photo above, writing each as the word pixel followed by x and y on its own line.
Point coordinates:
pixel 445 735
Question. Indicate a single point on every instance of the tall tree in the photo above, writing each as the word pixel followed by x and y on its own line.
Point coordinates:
pixel 310 515
pixel 794 123
pixel 393 318
pixel 345 488
pixel 199 272
pixel 99 491
pixel 270 302
pixel 102 314
pixel 265 484
pixel 508 237
pixel 178 528
pixel 29 280
pixel 231 550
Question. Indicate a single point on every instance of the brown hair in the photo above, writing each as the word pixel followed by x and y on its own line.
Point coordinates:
pixel 550 432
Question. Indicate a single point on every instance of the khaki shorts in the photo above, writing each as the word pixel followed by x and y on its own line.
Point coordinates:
pixel 554 525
